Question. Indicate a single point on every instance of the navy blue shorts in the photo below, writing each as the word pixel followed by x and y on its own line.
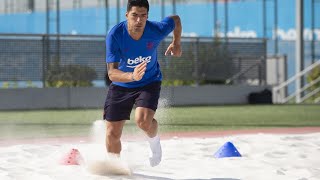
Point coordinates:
pixel 120 100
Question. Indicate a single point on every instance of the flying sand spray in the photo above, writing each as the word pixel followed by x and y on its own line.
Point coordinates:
pixel 95 160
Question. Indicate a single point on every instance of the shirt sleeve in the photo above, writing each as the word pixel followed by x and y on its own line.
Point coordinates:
pixel 166 26
pixel 112 50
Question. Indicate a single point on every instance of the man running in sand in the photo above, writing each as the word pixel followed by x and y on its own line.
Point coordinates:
pixel 135 74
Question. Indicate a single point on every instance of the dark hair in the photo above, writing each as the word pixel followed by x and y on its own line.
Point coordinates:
pixel 140 3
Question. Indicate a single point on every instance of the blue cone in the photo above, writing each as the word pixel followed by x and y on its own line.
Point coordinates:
pixel 227 150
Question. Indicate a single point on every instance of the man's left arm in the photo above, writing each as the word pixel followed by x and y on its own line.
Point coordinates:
pixel 174 48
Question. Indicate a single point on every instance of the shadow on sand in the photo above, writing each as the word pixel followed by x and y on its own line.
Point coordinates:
pixel 142 176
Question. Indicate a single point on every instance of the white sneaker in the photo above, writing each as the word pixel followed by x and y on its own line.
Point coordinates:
pixel 156 151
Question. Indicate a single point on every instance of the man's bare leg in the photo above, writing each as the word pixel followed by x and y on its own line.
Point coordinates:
pixel 144 119
pixel 113 135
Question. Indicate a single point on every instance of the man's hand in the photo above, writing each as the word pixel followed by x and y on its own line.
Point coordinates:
pixel 139 71
pixel 174 50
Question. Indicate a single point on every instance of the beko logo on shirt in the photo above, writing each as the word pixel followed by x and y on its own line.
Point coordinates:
pixel 134 62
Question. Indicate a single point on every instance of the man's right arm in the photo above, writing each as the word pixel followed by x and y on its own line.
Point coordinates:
pixel 116 75
pixel 112 56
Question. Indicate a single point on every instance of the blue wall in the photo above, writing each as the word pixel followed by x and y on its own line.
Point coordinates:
pixel 197 18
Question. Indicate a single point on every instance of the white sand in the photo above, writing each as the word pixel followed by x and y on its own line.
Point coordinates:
pixel 264 157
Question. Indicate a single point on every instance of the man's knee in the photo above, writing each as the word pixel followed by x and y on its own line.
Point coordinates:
pixel 144 124
pixel 113 135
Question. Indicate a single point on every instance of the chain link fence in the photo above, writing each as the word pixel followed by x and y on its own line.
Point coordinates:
pixel 78 59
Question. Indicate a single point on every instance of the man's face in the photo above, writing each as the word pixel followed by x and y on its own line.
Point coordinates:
pixel 137 18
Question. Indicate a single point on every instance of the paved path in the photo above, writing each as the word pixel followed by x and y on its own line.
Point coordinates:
pixel 202 134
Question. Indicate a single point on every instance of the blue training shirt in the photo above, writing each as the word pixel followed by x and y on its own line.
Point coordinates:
pixel 129 52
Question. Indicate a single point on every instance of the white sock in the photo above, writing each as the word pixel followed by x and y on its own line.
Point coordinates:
pixel 156 151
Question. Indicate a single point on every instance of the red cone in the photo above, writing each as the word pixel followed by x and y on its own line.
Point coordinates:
pixel 72 158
